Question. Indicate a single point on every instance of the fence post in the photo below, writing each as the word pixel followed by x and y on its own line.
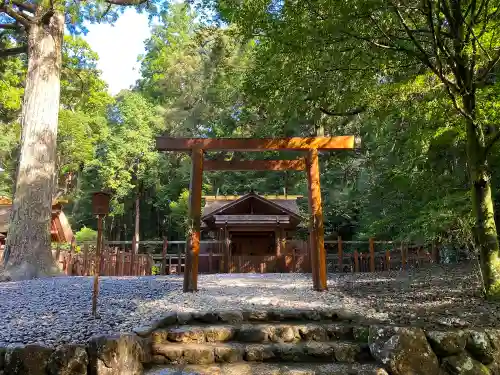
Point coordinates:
pixel 179 262
pixel 164 256
pixel 403 256
pixel 372 255
pixel 210 259
pixel 388 260
pixel 58 253
pixel 69 266
pixel 435 252
pixel 340 254
pixel 356 261
pixel 86 261
pixel 132 256
pixel 150 263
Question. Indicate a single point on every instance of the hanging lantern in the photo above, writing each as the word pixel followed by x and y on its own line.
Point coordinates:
pixel 100 203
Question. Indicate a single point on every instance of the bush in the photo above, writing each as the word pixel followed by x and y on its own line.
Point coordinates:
pixel 86 235
pixel 155 270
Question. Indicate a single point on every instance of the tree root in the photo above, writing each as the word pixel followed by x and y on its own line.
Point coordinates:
pixel 27 271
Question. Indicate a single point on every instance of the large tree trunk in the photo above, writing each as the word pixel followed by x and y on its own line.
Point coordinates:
pixel 28 242
pixel 482 204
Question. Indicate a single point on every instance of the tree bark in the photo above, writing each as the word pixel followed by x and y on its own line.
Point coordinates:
pixel 482 204
pixel 28 242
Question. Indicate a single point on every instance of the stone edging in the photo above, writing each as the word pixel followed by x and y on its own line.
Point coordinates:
pixel 401 350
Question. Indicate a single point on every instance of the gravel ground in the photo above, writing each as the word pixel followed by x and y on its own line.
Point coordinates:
pixel 57 310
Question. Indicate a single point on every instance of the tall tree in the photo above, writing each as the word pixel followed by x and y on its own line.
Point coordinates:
pixel 41 25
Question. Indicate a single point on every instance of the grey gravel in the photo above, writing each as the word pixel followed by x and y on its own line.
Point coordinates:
pixel 58 310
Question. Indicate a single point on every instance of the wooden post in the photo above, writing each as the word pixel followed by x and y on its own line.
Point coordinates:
pixel 58 252
pixel 101 260
pixel 279 250
pixel 372 255
pixel 435 252
pixel 164 256
pixel 403 257
pixel 86 266
pixel 132 258
pixel 318 254
pixel 193 241
pixel 356 261
pixel 179 260
pixel 227 249
pixel 69 264
pixel 121 270
pixel 97 265
pixel 340 254
pixel 312 233
pixel 388 260
pixel 283 248
pixel 210 259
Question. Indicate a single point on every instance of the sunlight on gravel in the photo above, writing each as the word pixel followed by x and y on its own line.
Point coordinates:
pixel 57 310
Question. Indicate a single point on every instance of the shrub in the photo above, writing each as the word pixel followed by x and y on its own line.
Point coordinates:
pixel 86 235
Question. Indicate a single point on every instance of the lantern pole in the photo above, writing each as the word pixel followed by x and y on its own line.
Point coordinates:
pixel 100 208
pixel 97 265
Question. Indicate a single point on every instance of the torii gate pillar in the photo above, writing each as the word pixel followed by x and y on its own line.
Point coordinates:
pixel 316 227
pixel 193 236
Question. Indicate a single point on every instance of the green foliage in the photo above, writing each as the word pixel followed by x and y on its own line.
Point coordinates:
pixel 155 270
pixel 86 235
pixel 179 214
pixel 273 69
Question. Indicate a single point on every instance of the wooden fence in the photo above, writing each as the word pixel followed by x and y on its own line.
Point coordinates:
pixel 342 256
pixel 113 262
pixel 80 261
pixel 168 257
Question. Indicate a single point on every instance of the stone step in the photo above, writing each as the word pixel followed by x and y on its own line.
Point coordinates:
pixel 209 353
pixel 261 333
pixel 173 319
pixel 271 369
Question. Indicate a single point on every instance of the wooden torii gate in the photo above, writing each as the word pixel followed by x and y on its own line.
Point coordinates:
pixel 310 145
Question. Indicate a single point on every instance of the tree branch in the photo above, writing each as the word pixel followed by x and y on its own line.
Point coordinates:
pixel 106 11
pixel 489 67
pixel 10 26
pixel 13 51
pixel 491 143
pixel 351 112
pixel 23 19
pixel 423 56
pixel 25 6
pixel 126 2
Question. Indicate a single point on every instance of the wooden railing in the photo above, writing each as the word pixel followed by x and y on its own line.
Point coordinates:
pixel 169 258
pixel 366 257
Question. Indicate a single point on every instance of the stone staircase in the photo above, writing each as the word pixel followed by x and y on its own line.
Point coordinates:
pixel 260 343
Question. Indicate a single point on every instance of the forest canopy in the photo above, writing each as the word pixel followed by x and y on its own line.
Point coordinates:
pixel 260 69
